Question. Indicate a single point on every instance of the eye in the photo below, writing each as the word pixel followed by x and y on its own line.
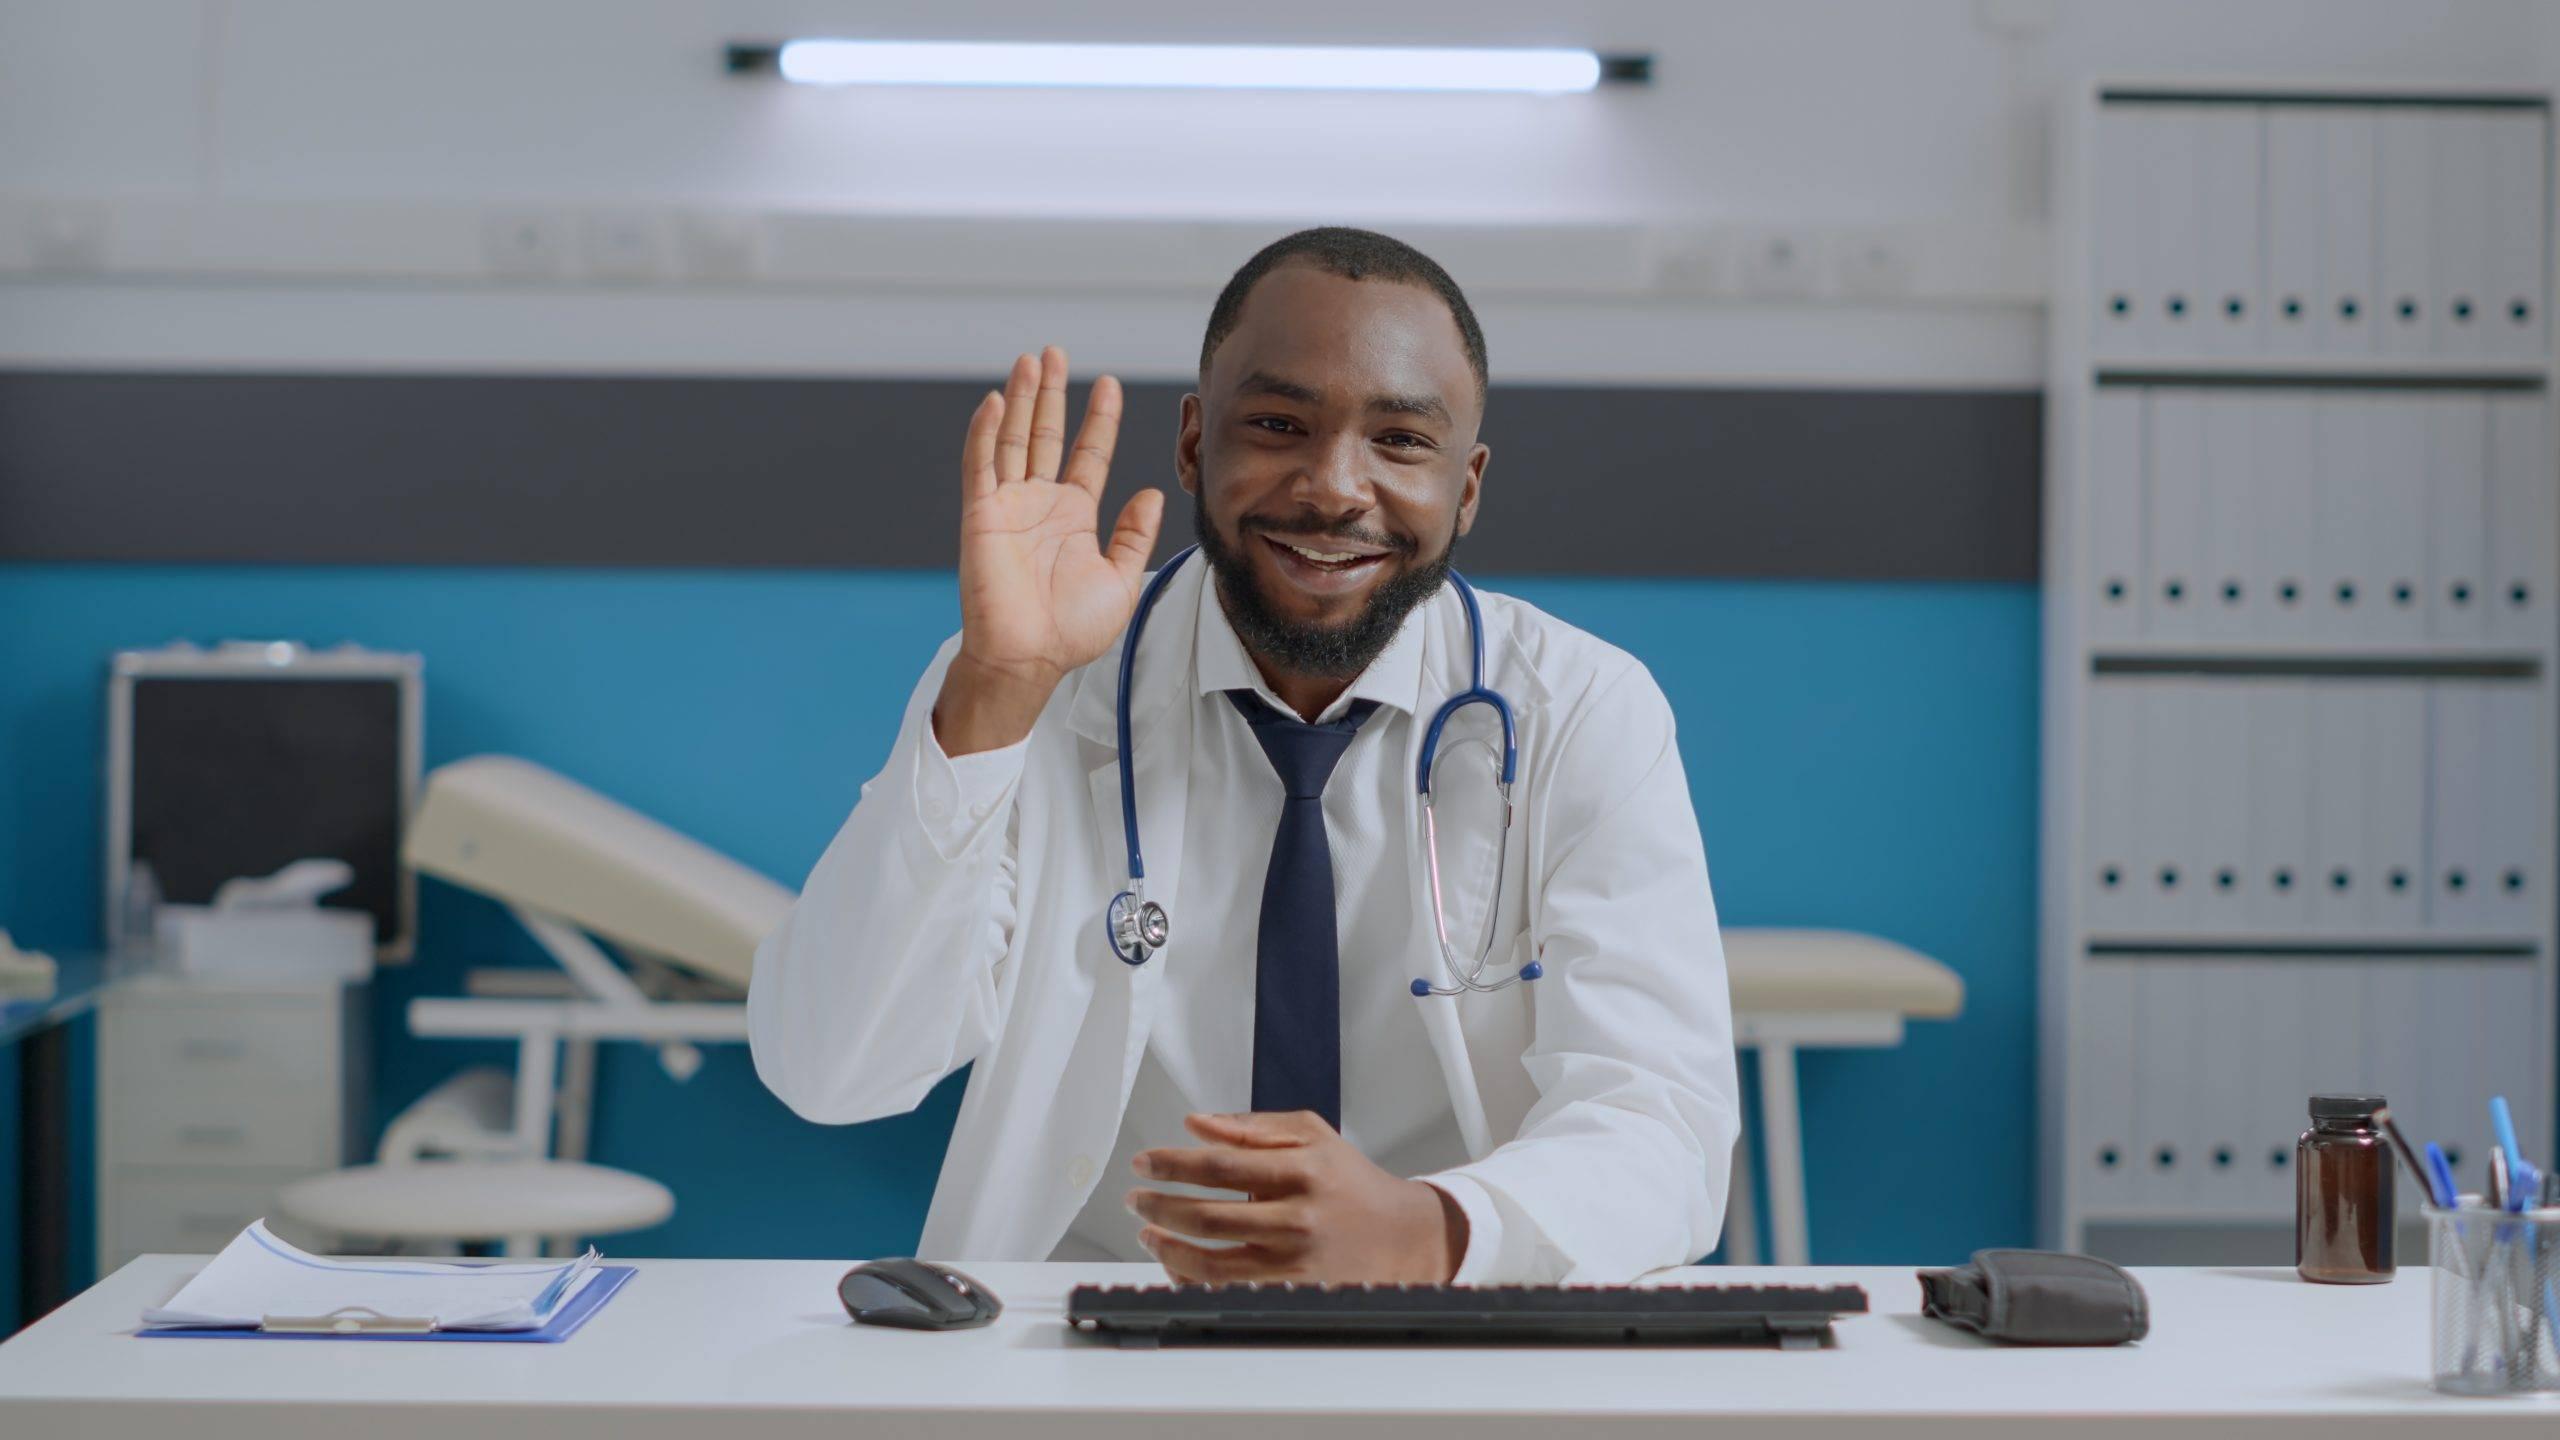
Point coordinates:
pixel 1404 439
pixel 1274 424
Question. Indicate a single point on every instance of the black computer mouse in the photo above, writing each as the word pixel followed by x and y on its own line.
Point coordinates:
pixel 915 1295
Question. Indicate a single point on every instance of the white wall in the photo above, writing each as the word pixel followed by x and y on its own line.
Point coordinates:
pixel 356 152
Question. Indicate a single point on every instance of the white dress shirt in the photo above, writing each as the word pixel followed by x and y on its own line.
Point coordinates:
pixel 1200 1054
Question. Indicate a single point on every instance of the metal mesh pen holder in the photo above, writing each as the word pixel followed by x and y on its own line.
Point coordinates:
pixel 2496 1323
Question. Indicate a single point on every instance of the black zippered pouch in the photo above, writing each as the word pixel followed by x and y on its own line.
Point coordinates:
pixel 2039 1297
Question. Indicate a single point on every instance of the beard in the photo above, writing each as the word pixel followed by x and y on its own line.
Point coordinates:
pixel 1333 652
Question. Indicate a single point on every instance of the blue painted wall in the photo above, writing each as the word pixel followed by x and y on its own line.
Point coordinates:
pixel 1862 756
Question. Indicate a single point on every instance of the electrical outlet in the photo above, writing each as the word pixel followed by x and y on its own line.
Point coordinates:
pixel 621 245
pixel 1690 262
pixel 1778 264
pixel 67 236
pixel 1871 264
pixel 522 244
pixel 716 246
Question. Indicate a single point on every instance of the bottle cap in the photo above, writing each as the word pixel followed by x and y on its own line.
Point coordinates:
pixel 2345 1107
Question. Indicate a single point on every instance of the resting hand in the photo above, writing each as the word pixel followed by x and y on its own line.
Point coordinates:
pixel 1316 1209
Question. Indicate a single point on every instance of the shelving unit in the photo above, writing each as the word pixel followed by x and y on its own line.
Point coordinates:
pixel 2302 537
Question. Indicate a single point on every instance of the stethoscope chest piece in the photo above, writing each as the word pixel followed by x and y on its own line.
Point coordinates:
pixel 1137 926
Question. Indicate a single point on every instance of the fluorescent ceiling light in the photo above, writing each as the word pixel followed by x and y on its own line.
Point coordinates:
pixel 1187 67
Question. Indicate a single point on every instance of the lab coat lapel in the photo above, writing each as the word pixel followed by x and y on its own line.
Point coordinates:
pixel 1161 735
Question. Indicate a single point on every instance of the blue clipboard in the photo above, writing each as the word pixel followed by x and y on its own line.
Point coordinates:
pixel 563 1323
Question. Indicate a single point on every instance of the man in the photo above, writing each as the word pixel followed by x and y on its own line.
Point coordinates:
pixel 1300 1111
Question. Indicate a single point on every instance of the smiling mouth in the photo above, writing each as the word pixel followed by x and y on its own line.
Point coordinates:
pixel 1323 556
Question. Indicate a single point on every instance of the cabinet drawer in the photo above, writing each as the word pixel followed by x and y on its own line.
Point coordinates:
pixel 220 1084
pixel 220 1126
pixel 147 1213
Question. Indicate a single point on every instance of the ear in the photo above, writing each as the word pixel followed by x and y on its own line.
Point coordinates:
pixel 1473 490
pixel 1186 446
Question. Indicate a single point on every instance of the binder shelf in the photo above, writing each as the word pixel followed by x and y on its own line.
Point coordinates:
pixel 2302 555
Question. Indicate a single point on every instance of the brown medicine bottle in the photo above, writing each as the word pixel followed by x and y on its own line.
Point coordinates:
pixel 2343 1190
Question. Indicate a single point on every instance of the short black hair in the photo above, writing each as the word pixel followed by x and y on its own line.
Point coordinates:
pixel 1354 255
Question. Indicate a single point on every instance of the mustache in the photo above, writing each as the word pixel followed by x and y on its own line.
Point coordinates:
pixel 1317 529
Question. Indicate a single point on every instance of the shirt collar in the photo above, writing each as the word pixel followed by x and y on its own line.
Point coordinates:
pixel 1394 678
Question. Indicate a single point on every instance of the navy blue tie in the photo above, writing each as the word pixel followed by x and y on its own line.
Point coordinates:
pixel 1297 981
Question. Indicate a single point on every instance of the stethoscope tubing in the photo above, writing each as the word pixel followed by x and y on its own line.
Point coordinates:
pixel 1136 927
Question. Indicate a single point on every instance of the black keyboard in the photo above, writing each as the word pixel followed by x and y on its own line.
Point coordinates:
pixel 1790 1316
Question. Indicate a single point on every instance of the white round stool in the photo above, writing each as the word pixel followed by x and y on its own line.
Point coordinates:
pixel 513 1201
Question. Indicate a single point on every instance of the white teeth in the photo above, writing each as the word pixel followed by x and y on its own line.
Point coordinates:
pixel 1325 557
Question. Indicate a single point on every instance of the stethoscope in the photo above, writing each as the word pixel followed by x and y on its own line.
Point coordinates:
pixel 1137 927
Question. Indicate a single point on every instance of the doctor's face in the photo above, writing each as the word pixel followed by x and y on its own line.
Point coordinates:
pixel 1332 449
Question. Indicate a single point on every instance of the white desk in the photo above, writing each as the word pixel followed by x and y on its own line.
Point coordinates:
pixel 743 1350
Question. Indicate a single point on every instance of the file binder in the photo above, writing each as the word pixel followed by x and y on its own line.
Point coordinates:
pixel 2280 897
pixel 2459 141
pixel 2405 1065
pixel 2165 834
pixel 2519 198
pixel 2339 782
pixel 2348 206
pixel 2404 200
pixel 2164 1074
pixel 2391 521
pixel 2227 603
pixel 2120 300
pixel 2218 805
pixel 2173 532
pixel 2294 215
pixel 2288 606
pixel 2109 821
pixel 2458 783
pixel 2107 1082
pixel 2344 545
pixel 2228 148
pixel 2114 533
pixel 2511 894
pixel 2395 818
pixel 2228 1019
pixel 2458 541
pixel 2167 137
pixel 2524 523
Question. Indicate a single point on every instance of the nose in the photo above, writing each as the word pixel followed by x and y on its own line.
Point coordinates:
pixel 1335 481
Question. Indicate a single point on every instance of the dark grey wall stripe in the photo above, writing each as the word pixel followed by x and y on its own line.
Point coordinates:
pixel 516 470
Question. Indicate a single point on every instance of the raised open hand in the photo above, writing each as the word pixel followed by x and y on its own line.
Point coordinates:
pixel 1039 595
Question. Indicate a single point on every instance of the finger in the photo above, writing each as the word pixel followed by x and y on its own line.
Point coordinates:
pixel 1089 464
pixel 1269 1129
pixel 978 455
pixel 1280 1225
pixel 1049 416
pixel 1133 539
pixel 1013 437
pixel 1197 1264
pixel 1260 1173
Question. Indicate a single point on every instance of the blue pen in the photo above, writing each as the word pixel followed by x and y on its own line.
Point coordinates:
pixel 2440 1176
pixel 2504 1125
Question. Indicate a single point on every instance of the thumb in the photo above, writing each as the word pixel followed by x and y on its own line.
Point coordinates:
pixel 1133 539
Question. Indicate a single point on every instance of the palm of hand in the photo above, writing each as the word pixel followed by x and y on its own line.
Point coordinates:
pixel 1034 571
pixel 1040 593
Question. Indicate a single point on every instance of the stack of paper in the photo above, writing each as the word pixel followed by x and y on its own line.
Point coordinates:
pixel 259 1281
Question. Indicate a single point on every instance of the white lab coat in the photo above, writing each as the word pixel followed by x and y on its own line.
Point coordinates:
pixel 1598 1104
